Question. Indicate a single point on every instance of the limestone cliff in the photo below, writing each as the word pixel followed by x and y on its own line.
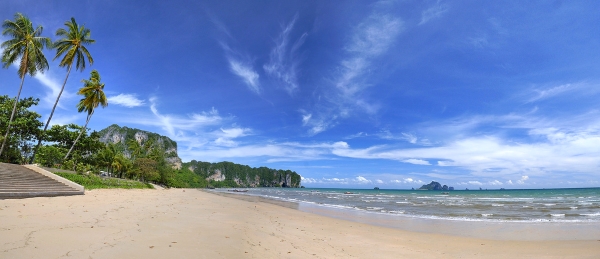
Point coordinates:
pixel 121 136
pixel 243 175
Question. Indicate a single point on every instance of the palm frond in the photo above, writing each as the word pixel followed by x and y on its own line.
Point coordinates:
pixel 71 43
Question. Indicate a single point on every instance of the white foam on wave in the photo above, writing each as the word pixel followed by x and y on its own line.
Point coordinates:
pixel 396 211
pixel 597 214
pixel 558 215
pixel 486 214
pixel 497 205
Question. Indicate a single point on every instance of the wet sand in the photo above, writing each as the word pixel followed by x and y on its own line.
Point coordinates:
pixel 191 223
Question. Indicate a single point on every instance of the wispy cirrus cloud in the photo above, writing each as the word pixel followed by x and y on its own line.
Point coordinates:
pixel 283 59
pixel 541 94
pixel 127 100
pixel 53 87
pixel 433 12
pixel 226 137
pixel 175 125
pixel 370 39
pixel 246 72
pixel 240 64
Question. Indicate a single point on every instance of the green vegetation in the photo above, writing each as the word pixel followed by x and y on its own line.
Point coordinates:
pixel 120 151
pixel 93 92
pixel 72 46
pixel 24 45
pixel 95 182
pixel 131 146
pixel 237 175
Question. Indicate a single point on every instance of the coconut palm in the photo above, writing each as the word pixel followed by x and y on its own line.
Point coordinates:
pixel 93 92
pixel 72 46
pixel 25 45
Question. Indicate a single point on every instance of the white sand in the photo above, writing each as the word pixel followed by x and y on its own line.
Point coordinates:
pixel 190 223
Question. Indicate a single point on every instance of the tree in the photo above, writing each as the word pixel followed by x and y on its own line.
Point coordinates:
pixel 106 156
pixel 25 126
pixel 25 45
pixel 72 46
pixel 93 92
pixel 146 168
pixel 86 150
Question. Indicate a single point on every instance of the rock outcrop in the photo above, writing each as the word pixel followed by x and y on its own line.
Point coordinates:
pixel 120 136
pixel 435 186
pixel 243 175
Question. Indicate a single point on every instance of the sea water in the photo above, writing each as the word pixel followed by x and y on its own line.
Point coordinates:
pixel 532 205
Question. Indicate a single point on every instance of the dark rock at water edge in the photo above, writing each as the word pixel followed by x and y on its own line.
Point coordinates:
pixel 435 186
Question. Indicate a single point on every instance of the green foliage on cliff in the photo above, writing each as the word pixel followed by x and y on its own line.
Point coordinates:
pixel 129 145
pixel 228 174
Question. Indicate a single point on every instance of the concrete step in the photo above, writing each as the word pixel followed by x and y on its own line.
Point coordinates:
pixel 31 181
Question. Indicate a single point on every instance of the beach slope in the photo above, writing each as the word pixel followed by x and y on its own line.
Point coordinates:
pixel 188 223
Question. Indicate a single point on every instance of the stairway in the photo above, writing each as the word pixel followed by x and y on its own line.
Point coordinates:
pixel 18 181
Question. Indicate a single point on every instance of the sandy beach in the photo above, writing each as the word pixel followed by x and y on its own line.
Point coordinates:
pixel 188 223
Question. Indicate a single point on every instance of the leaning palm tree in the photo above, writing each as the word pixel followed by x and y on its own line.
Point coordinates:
pixel 72 46
pixel 25 45
pixel 93 92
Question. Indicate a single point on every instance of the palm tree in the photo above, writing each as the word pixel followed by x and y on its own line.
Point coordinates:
pixel 72 46
pixel 93 92
pixel 26 44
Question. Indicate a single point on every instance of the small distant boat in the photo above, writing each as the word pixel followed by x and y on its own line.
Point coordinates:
pixel 376 188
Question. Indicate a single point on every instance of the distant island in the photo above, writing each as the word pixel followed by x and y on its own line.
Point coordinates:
pixel 435 186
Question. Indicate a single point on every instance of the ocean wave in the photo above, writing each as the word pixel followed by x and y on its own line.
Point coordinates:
pixel 591 214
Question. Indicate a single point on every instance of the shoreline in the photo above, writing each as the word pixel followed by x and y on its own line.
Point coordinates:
pixel 190 223
pixel 494 230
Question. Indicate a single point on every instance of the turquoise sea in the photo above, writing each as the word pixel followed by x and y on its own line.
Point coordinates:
pixel 531 205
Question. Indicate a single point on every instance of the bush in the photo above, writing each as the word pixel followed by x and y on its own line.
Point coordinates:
pixel 91 182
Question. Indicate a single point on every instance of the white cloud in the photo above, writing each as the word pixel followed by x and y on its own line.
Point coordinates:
pixel 407 180
pixel 306 180
pixel 416 161
pixel 370 39
pixel 410 137
pixel 551 92
pixel 475 183
pixel 283 63
pixel 495 182
pixel 433 12
pixel 378 181
pixel 53 85
pixel 190 131
pixel 523 179
pixel 127 100
pixel 361 179
pixel 245 71
pixel 225 137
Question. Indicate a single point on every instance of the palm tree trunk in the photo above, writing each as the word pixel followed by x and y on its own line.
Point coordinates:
pixel 12 115
pixel 51 114
pixel 80 133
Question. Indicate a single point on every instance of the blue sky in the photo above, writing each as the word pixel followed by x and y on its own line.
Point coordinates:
pixel 491 94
